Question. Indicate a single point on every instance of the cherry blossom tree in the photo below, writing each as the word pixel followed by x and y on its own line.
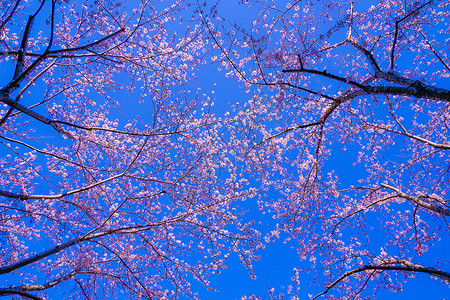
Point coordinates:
pixel 348 122
pixel 95 201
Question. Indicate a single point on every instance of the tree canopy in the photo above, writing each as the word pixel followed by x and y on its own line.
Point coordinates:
pixel 121 177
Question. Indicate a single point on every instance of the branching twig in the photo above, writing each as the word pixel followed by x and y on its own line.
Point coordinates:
pixel 8 18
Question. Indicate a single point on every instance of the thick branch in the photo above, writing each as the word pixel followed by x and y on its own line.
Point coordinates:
pixel 413 88
pixel 396 31
pixel 19 95
pixel 33 114
pixel 59 248
pixel 419 201
pixel 41 255
pixel 85 47
pixel 61 195
pixel 23 47
pixel 36 287
pixel 18 72
pixel 12 291
pixel 12 195
pixel 326 74
pixel 399 265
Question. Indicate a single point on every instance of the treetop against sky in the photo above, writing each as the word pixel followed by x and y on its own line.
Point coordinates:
pixel 241 149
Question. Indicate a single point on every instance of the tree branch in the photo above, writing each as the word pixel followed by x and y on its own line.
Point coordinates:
pixel 418 200
pixel 11 291
pixel 15 83
pixel 38 287
pixel 76 191
pixel 30 83
pixel 390 266
pixel 5 99
pixel 126 266
pixel 396 31
pixel 122 230
pixel 8 18
pixel 414 88
pixel 41 255
pixel 326 74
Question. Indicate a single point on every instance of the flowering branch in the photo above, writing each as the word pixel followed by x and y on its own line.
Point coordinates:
pixel 418 200
pixel 398 265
